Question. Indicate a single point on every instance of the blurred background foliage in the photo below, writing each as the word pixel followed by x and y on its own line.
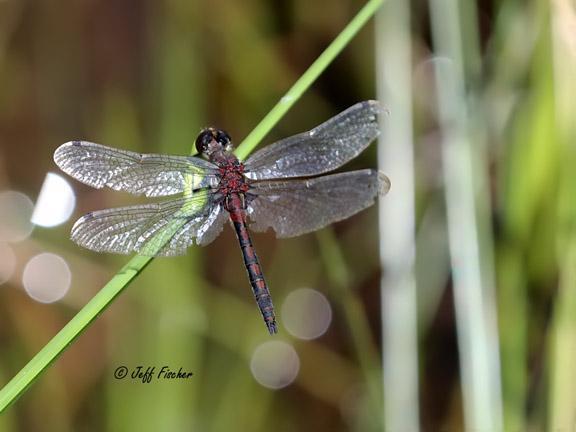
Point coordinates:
pixel 147 75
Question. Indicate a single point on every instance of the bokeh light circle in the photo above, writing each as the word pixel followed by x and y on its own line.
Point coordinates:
pixel 46 277
pixel 15 212
pixel 275 364
pixel 306 313
pixel 55 202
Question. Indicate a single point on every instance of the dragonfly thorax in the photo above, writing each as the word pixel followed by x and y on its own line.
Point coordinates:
pixel 211 140
pixel 232 180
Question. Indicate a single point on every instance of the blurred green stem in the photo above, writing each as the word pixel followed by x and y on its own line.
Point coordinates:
pixel 397 221
pixel 563 354
pixel 356 319
pixel 562 398
pixel 466 183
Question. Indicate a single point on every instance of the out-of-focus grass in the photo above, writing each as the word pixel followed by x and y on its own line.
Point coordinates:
pixel 469 229
pixel 397 221
pixel 562 342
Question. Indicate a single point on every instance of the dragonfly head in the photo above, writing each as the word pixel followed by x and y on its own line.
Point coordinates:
pixel 211 140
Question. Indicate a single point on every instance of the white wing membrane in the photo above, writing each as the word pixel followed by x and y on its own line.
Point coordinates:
pixel 162 229
pixel 149 174
pixel 215 224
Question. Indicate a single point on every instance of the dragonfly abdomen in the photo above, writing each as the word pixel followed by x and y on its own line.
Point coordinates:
pixel 251 262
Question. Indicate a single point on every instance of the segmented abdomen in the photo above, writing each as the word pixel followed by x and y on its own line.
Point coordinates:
pixel 257 281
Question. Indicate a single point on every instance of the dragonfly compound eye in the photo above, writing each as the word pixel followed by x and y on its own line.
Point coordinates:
pixel 223 138
pixel 203 140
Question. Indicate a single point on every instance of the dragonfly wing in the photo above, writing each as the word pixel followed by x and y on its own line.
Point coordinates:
pixel 149 174
pixel 162 229
pixel 213 228
pixel 320 150
pixel 295 207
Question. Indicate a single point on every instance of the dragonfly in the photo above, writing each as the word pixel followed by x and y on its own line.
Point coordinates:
pixel 286 186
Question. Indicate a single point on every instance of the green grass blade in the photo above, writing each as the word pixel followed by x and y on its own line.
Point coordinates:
pixel 15 387
pixel 71 331
pixel 306 80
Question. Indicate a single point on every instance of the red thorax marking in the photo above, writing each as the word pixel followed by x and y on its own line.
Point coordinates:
pixel 232 178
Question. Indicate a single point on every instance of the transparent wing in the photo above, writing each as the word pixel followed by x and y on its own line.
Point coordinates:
pixel 295 207
pixel 217 219
pixel 322 149
pixel 149 174
pixel 162 229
